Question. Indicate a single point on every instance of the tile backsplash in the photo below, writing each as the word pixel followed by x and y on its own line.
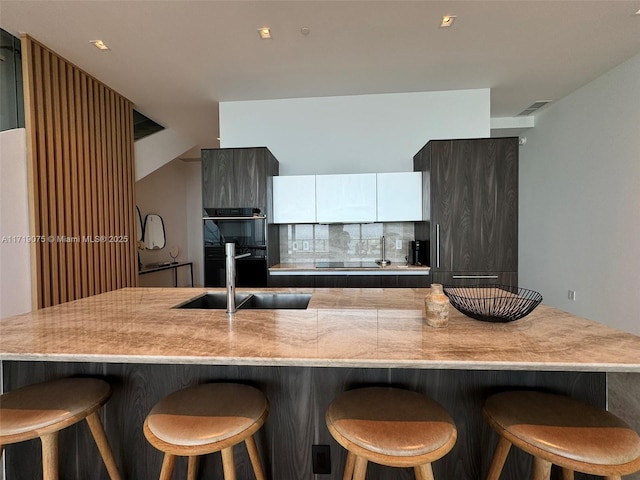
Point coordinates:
pixel 308 243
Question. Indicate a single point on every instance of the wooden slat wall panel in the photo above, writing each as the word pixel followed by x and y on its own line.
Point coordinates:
pixel 82 173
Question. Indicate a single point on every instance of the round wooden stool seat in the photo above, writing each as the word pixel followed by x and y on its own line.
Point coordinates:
pixel 392 427
pixel 43 409
pixel 205 419
pixel 556 429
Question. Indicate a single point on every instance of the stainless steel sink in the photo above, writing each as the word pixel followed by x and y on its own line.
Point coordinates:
pixel 262 301
pixel 268 301
pixel 211 301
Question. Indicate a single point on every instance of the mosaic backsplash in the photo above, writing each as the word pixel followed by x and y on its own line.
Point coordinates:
pixel 309 243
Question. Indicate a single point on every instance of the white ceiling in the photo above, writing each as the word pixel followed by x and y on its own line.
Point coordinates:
pixel 177 59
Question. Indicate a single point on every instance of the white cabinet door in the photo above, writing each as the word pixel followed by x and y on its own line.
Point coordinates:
pixel 294 199
pixel 346 198
pixel 399 197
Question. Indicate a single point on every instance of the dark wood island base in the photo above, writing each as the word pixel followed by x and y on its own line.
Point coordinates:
pixel 299 397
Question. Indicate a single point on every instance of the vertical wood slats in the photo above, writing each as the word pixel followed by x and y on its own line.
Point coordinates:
pixel 81 178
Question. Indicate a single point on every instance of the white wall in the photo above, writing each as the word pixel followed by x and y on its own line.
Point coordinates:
pixel 15 259
pixel 156 150
pixel 194 214
pixel 164 192
pixel 354 134
pixel 580 200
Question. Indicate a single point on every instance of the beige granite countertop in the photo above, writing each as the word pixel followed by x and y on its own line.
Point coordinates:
pixel 341 328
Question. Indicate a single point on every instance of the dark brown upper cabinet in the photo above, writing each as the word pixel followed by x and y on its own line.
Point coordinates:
pixel 471 208
pixel 238 178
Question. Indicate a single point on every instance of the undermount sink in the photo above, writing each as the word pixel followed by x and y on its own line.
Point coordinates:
pixel 295 301
pixel 262 301
pixel 212 301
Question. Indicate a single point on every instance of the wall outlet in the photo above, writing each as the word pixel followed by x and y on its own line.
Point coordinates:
pixel 572 295
pixel 305 245
pixel 295 246
pixel 321 459
pixel 398 244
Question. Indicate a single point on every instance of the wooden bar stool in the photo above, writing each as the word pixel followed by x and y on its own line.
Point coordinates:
pixel 43 409
pixel 204 419
pixel 392 427
pixel 558 430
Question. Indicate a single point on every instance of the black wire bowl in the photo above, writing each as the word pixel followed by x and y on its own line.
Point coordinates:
pixel 493 303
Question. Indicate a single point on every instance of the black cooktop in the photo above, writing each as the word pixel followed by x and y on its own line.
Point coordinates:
pixel 346 265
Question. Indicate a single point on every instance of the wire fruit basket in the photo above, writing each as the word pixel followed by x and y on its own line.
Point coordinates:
pixel 493 303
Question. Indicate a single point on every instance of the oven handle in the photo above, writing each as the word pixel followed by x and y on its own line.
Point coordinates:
pixel 257 217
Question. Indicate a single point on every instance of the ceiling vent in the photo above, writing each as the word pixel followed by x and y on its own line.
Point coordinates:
pixel 533 108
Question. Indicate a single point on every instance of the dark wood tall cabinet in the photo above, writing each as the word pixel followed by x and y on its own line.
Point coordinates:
pixel 471 210
pixel 242 178
pixel 238 178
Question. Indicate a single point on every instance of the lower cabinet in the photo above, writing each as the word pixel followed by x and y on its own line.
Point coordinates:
pixel 350 281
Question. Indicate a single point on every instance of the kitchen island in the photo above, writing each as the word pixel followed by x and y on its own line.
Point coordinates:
pixel 301 359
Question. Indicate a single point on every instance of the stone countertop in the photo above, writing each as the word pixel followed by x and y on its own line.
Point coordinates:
pixel 312 269
pixel 381 328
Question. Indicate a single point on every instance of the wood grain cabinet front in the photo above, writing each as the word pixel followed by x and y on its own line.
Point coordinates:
pixel 238 178
pixel 472 203
pixel 242 178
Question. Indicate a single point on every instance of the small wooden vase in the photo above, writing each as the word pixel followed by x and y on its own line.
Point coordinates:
pixel 436 307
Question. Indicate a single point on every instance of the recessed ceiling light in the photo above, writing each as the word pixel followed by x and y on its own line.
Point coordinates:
pixel 447 20
pixel 100 44
pixel 638 12
pixel 265 33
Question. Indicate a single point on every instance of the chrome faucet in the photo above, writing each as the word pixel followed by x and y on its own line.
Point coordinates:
pixel 383 262
pixel 230 271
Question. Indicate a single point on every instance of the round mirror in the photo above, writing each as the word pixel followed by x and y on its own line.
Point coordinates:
pixel 139 224
pixel 154 238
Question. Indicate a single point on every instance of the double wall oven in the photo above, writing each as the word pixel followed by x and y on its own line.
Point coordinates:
pixel 247 228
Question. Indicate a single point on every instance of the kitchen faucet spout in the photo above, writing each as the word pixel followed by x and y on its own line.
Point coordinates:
pixel 230 271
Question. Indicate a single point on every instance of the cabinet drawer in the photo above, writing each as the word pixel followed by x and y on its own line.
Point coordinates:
pixel 475 278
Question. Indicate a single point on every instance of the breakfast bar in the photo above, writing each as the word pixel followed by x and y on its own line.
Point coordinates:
pixel 145 348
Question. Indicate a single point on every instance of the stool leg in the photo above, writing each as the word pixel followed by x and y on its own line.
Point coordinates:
pixel 541 469
pixel 228 466
pixel 100 437
pixel 360 470
pixel 499 457
pixel 349 466
pixel 254 457
pixel 192 467
pixel 50 456
pixel 424 472
pixel 167 466
pixel 567 474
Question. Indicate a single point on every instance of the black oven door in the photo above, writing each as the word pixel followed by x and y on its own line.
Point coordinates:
pixel 249 235
pixel 250 271
pixel 247 232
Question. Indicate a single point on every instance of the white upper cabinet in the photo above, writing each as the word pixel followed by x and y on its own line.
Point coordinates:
pixel 352 198
pixel 346 198
pixel 399 197
pixel 294 199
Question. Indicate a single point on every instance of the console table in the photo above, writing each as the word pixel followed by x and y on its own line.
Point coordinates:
pixel 168 266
